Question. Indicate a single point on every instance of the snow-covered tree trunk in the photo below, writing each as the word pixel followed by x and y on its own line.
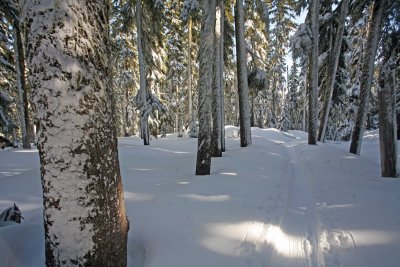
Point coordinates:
pixel 374 33
pixel 206 55
pixel 216 145
pixel 387 116
pixel 243 88
pixel 313 84
pixel 144 113
pixel 84 213
pixel 335 54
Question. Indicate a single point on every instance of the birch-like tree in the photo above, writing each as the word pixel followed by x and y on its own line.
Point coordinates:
pixel 206 55
pixel 243 88
pixel 68 58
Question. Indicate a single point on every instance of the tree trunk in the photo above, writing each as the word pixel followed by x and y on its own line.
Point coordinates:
pixel 206 55
pixel 243 88
pixel 192 123
pixel 387 117
pixel 22 87
pixel 216 146
pixel 84 213
pixel 144 112
pixel 333 69
pixel 313 85
pixel 374 34
pixel 222 80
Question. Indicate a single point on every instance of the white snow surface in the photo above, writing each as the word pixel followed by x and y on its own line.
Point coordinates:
pixel 278 202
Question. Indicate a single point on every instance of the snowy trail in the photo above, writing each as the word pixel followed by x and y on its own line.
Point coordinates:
pixel 300 220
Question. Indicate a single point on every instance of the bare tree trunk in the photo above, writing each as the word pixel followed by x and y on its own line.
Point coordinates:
pixel 206 55
pixel 144 121
pixel 192 124
pixel 243 88
pixel 84 212
pixel 333 69
pixel 387 116
pixel 222 80
pixel 313 95
pixel 374 34
pixel 216 146
pixel 22 87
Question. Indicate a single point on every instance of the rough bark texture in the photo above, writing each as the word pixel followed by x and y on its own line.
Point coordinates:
pixel 333 69
pixel 216 146
pixel 374 34
pixel 243 88
pixel 144 121
pixel 84 213
pixel 313 85
pixel 206 54
pixel 387 118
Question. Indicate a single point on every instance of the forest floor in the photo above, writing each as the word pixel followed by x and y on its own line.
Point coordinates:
pixel 279 202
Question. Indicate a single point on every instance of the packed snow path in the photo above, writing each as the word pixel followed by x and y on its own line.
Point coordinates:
pixel 279 202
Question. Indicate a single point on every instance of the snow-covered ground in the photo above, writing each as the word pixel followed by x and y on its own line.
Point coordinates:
pixel 279 202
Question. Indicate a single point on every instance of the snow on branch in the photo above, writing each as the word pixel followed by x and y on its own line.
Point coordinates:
pixel 301 41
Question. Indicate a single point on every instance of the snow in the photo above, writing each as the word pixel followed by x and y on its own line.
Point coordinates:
pixel 279 202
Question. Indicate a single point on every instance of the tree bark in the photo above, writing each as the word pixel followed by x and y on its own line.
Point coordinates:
pixel 222 80
pixel 216 145
pixel 206 55
pixel 387 117
pixel 22 87
pixel 192 123
pixel 333 69
pixel 144 121
pixel 313 85
pixel 374 34
pixel 243 88
pixel 84 212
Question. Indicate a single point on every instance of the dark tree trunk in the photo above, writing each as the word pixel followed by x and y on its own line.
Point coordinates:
pixel 387 112
pixel 243 88
pixel 313 84
pixel 216 146
pixel 206 55
pixel 374 34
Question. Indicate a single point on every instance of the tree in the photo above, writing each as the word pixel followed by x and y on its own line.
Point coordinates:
pixel 243 89
pixel 217 93
pixel 206 54
pixel 12 13
pixel 144 109
pixel 313 72
pixel 333 66
pixel 374 33
pixel 68 58
pixel 387 107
